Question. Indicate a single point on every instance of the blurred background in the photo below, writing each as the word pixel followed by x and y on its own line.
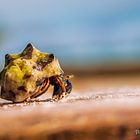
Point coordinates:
pixel 87 36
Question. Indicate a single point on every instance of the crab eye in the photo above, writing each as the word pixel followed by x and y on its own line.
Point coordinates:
pixel 27 52
pixel 8 59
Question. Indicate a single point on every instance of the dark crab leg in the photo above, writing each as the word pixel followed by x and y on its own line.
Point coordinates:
pixel 68 87
pixel 62 87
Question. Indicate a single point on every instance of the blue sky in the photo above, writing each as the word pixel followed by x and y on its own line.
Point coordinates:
pixel 98 30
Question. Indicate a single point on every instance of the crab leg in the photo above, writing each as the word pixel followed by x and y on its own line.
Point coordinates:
pixel 62 87
pixel 68 87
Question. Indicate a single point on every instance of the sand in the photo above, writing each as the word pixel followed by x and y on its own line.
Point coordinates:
pixel 100 107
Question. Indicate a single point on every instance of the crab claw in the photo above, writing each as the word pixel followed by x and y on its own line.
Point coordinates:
pixel 62 88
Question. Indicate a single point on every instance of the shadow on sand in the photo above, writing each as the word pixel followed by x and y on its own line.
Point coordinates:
pixel 26 102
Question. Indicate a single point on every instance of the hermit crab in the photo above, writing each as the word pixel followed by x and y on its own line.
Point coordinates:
pixel 29 74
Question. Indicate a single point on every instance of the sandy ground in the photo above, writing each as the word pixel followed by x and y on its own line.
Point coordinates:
pixel 100 107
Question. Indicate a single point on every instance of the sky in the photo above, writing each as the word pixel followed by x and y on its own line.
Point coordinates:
pixel 77 31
